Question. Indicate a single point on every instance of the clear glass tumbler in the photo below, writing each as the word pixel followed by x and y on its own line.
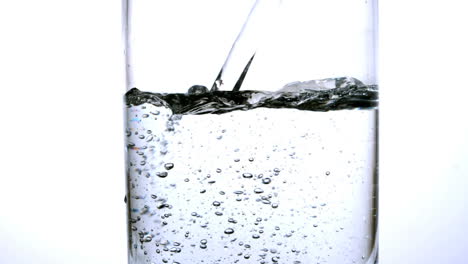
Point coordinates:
pixel 251 131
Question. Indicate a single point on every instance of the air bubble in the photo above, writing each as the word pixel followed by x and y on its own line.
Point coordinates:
pixel 169 166
pixel 229 231
pixel 162 174
pixel 266 180
pixel 218 170
pixel 258 190
pixel 247 175
pixel 197 89
pixel 216 203
pixel 255 236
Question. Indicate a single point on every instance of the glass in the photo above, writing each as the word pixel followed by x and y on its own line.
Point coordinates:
pixel 251 131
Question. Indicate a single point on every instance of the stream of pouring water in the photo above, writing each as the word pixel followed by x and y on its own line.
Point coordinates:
pixel 244 48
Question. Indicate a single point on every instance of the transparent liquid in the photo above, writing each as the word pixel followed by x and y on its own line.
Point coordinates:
pixel 291 179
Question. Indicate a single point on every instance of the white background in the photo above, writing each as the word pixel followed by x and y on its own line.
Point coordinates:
pixel 61 151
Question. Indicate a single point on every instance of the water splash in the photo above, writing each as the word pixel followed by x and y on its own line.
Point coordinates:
pixel 315 95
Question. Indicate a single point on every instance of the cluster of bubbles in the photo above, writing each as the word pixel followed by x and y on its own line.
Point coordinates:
pixel 154 217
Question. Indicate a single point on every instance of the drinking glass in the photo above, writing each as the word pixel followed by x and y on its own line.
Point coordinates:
pixel 251 131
